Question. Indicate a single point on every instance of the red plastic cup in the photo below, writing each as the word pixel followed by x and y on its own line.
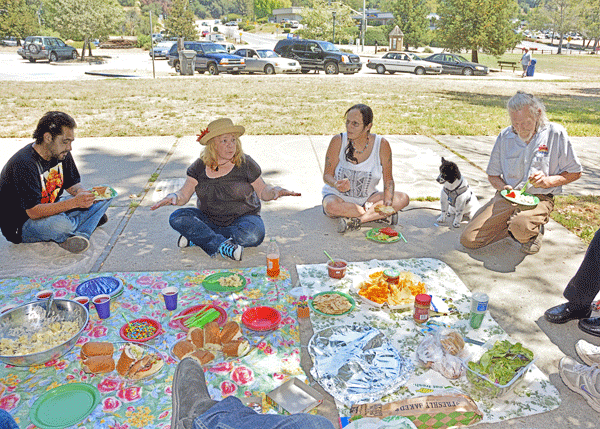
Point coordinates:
pixel 102 304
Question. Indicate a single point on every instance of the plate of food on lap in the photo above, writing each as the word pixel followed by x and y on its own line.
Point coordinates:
pixel 521 198
pixel 383 235
pixel 103 192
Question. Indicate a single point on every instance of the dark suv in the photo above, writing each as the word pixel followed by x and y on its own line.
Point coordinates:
pixel 318 55
pixel 210 57
pixel 46 48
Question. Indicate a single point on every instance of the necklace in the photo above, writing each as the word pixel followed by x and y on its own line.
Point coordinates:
pixel 360 152
pixel 219 165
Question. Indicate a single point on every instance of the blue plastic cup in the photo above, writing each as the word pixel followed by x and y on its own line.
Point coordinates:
pixel 102 304
pixel 170 295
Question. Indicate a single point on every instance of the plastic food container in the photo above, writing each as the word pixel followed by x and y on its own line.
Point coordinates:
pixel 129 336
pixel 337 268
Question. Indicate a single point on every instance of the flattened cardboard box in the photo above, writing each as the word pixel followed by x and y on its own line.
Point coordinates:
pixel 294 397
pixel 431 411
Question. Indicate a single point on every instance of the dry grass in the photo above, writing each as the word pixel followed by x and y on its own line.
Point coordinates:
pixel 304 104
pixel 579 214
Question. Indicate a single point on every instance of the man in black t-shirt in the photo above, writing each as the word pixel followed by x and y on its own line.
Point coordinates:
pixel 31 184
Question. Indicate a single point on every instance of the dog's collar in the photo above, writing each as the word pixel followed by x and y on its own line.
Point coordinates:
pixel 459 190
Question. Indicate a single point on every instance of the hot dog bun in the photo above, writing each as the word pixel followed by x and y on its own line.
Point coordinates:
pixel 196 337
pixel 236 348
pixel 98 364
pixel 183 348
pixel 202 356
pixel 212 336
pixel 130 354
pixel 145 367
pixel 96 348
pixel 230 332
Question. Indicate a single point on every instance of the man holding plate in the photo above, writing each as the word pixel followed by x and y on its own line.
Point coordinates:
pixel 31 185
pixel 532 153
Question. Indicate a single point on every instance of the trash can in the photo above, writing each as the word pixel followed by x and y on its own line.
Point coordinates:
pixel 187 59
pixel 531 68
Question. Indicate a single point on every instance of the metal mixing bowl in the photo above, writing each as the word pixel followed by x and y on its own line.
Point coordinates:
pixel 29 318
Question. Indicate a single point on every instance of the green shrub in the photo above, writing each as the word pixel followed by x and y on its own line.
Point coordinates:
pixel 376 34
pixel 286 30
pixel 262 20
pixel 245 26
pixel 144 41
pixel 428 50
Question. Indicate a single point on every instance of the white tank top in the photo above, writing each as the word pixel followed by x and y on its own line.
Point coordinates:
pixel 364 177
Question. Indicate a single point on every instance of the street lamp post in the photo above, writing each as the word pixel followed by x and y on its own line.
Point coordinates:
pixel 333 13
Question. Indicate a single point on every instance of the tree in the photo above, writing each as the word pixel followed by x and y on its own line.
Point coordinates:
pixel 264 8
pixel 411 17
pixel 181 21
pixel 563 16
pixel 590 20
pixel 17 19
pixel 318 21
pixel 84 19
pixel 477 24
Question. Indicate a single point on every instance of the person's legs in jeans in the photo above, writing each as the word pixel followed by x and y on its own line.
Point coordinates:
pixel 64 225
pixel 195 226
pixel 231 413
pixel 490 223
pixel 247 231
pixel 6 420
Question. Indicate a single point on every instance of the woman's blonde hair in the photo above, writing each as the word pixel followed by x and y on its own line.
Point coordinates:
pixel 209 154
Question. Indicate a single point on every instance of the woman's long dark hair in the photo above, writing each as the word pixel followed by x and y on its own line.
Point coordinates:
pixel 367 116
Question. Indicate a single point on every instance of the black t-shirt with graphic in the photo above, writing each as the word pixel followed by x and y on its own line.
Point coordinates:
pixel 28 180
pixel 226 198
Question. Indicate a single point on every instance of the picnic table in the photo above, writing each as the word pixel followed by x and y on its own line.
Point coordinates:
pixel 511 64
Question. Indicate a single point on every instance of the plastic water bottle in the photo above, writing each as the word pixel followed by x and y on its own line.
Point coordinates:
pixel 273 259
pixel 479 305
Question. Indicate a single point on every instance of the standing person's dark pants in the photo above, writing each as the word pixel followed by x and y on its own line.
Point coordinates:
pixel 580 292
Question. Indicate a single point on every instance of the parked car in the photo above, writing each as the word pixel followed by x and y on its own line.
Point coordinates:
pixel 267 61
pixel 9 41
pixel 229 47
pixel 216 37
pixel 205 33
pixel 161 50
pixel 231 24
pixel 318 55
pixel 210 57
pixel 457 64
pixel 46 48
pixel 393 62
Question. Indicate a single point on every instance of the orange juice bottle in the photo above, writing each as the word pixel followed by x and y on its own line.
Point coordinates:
pixel 273 259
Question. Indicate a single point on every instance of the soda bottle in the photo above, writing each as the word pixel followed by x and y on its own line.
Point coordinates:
pixel 479 305
pixel 273 259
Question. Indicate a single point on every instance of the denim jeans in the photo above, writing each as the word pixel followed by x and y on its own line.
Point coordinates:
pixel 61 226
pixel 6 420
pixel 230 413
pixel 247 230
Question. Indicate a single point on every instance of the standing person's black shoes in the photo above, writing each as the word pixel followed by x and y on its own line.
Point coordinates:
pixel 564 312
pixel 189 394
pixel 590 325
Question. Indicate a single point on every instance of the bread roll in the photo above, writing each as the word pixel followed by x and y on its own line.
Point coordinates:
pixel 230 332
pixel 149 366
pixel 98 364
pixel 202 356
pixel 196 337
pixel 236 348
pixel 212 336
pixel 96 348
pixel 126 360
pixel 183 348
pixel 452 342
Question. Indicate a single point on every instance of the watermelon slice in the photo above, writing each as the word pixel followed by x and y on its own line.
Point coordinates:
pixel 388 231
pixel 511 194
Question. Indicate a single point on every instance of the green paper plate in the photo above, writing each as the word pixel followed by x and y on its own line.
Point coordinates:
pixel 211 283
pixel 345 295
pixel 371 235
pixel 112 190
pixel 64 405
pixel 536 200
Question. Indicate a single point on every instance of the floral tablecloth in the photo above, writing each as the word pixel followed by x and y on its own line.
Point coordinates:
pixel 535 394
pixel 147 404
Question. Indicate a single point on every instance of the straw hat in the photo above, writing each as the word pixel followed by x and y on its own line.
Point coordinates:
pixel 218 128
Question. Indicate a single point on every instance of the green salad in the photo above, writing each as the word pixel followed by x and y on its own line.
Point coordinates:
pixel 501 363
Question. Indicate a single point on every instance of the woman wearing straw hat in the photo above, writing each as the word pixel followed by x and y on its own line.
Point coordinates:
pixel 229 187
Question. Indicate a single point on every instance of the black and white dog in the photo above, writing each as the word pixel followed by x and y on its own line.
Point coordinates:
pixel 456 196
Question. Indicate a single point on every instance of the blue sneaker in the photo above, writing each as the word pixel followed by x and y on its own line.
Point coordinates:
pixel 228 249
pixel 184 242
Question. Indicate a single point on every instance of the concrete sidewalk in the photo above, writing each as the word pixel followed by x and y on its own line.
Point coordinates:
pixel 138 239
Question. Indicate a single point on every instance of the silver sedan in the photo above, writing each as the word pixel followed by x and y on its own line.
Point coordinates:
pixel 267 61
pixel 393 62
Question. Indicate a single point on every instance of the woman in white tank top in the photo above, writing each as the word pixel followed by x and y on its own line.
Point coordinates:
pixel 355 163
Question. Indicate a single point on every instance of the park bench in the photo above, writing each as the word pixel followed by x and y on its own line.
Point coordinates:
pixel 507 64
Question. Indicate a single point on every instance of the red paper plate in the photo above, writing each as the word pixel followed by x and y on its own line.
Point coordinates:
pixel 261 318
pixel 196 308
pixel 123 331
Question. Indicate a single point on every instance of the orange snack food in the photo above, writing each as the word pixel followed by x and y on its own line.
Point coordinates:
pixel 378 290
